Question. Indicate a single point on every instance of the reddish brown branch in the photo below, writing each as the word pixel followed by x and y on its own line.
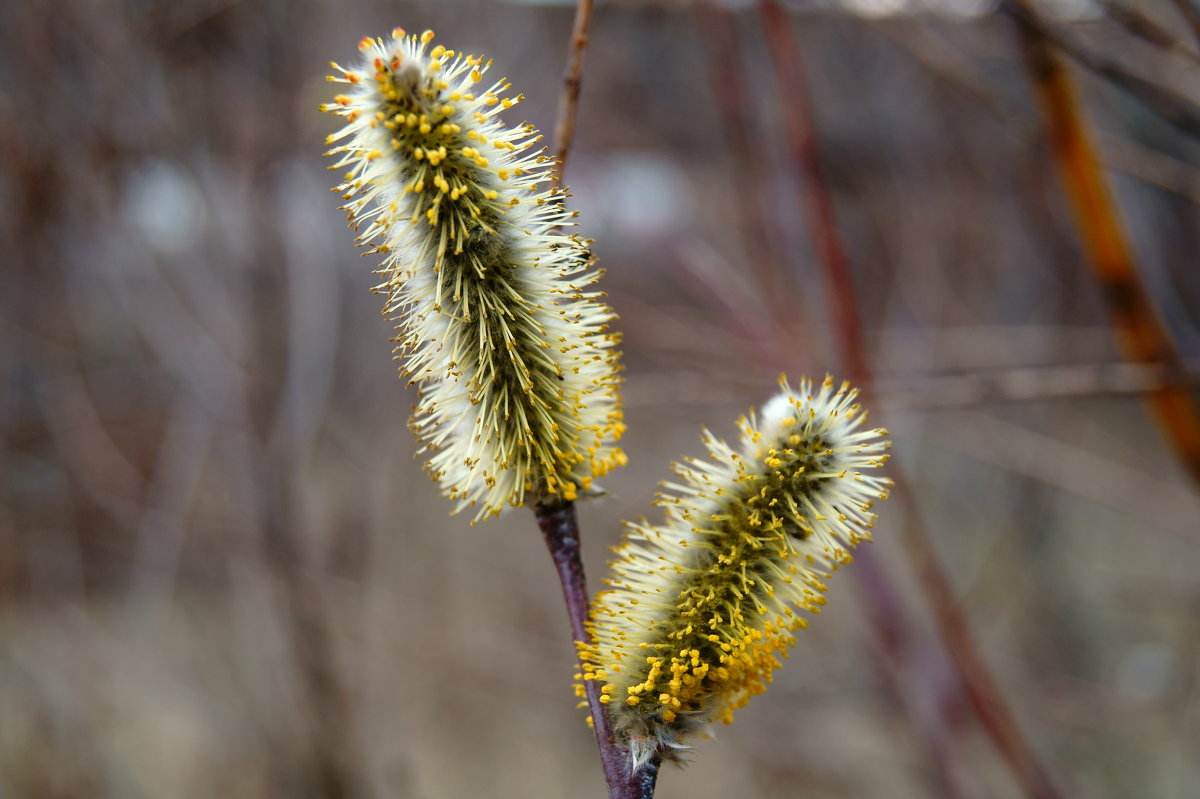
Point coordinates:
pixel 1175 107
pixel 560 529
pixel 804 149
pixel 1139 330
pixel 981 689
pixel 733 95
pixel 568 104
pixel 1191 14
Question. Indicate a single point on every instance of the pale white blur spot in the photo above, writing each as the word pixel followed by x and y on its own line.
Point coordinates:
pixel 961 9
pixel 1072 9
pixel 163 203
pixel 878 8
pixel 1144 673
pixel 640 194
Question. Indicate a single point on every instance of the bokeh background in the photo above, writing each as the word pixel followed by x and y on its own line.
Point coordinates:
pixel 223 573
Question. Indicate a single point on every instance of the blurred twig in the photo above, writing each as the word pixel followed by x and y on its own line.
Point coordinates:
pixel 564 129
pixel 1190 14
pixel 161 528
pixel 560 529
pixel 1157 504
pixel 1118 152
pixel 805 153
pixel 730 303
pixel 893 629
pixel 295 414
pixel 981 689
pixel 1154 168
pixel 731 91
pixel 1178 109
pixel 1027 384
pixel 1145 27
pixel 1139 330
pixel 915 392
pixel 328 713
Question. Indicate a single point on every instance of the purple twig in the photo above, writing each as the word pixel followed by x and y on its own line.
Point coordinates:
pixel 560 528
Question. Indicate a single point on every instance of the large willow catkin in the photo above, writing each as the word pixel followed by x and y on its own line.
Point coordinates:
pixel 493 299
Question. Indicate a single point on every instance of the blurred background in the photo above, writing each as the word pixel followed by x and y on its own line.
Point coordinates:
pixel 223 573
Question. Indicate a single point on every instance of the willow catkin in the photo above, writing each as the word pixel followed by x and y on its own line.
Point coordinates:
pixel 493 297
pixel 701 608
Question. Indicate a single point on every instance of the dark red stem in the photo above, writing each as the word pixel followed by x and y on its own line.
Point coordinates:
pixel 560 529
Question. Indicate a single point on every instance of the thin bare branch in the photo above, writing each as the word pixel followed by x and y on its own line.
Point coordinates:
pixel 1178 109
pixel 1191 14
pixel 560 529
pixel 733 96
pixel 1029 384
pixel 1098 224
pixel 568 104
pixel 1146 28
pixel 1117 152
pixel 982 691
pixel 1158 504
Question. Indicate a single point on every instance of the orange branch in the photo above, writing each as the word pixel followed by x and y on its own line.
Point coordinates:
pixel 1139 331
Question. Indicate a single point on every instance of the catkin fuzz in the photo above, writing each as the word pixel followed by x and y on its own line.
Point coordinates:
pixel 701 608
pixel 493 296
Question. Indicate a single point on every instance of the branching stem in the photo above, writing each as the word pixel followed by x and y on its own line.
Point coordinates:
pixel 1135 320
pixel 560 529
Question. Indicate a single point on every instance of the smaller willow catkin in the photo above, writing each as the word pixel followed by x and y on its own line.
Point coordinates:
pixel 495 313
pixel 700 608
